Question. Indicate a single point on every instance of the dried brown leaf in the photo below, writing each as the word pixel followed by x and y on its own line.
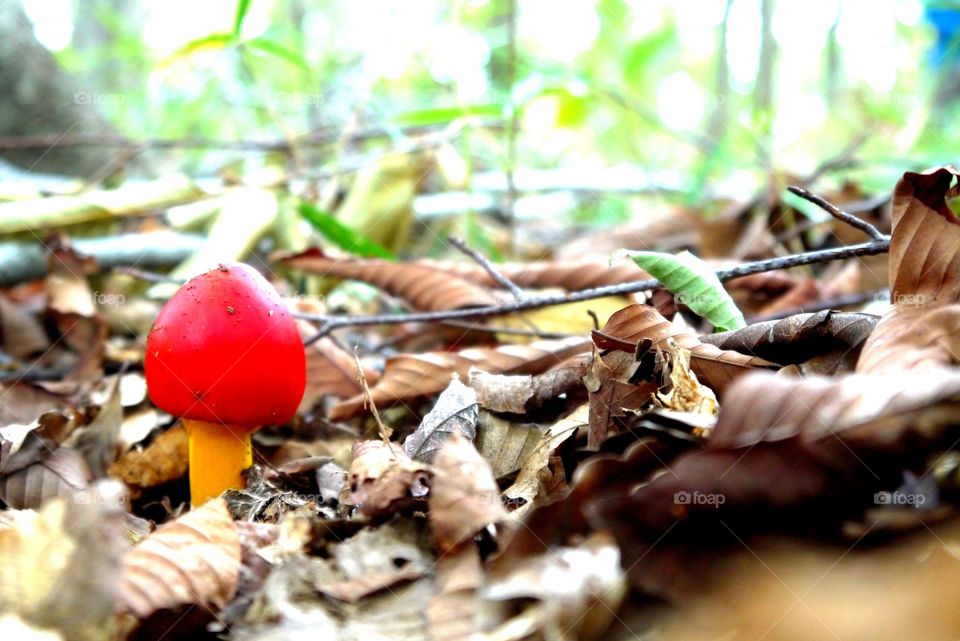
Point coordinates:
pixel 59 568
pixel 455 412
pixel 21 334
pixel 409 376
pixel 798 338
pixel 164 460
pixel 464 498
pixel 60 473
pixel 423 287
pixel 505 444
pixel 536 480
pixel 452 611
pixel 192 560
pixel 331 371
pixel 384 480
pixel 716 368
pixel 923 327
pixel 520 394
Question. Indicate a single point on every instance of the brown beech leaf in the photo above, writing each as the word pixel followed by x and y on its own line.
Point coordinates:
pixel 505 444
pixel 409 376
pixel 423 287
pixel 613 392
pixel 455 412
pixel 194 560
pixel 60 473
pixel 538 479
pixel 923 326
pixel 798 338
pixel 164 460
pixel 520 394
pixel 21 334
pixel 833 416
pixel 384 480
pixel 452 611
pixel 464 497
pixel 331 371
pixel 571 275
pixel 59 567
pixel 716 368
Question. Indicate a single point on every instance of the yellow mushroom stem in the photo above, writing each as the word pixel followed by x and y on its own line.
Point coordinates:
pixel 218 457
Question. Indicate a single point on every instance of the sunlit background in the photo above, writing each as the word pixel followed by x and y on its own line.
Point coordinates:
pixel 696 94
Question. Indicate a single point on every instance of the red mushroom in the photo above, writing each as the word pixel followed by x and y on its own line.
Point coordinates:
pixel 225 355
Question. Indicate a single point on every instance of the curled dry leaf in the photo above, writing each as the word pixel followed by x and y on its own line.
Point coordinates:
pixel 384 480
pixel 505 444
pixel 798 338
pixel 464 498
pixel 194 560
pixel 164 460
pixel 455 412
pixel 716 368
pixel 923 326
pixel 59 567
pixel 21 334
pixel 538 478
pixel 61 473
pixel 409 376
pixel 615 388
pixel 520 394
pixel 423 287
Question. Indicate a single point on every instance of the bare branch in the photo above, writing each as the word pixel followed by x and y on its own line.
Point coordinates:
pixel 332 321
pixel 495 274
pixel 843 216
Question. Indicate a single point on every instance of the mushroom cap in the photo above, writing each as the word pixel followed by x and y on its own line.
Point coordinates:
pixel 225 350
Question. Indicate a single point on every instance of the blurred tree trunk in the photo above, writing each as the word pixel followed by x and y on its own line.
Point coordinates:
pixel 37 97
pixel 764 87
pixel 717 124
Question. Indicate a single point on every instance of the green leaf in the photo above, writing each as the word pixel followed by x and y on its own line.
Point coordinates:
pixel 213 41
pixel 341 235
pixel 442 115
pixel 694 284
pixel 278 51
pixel 242 7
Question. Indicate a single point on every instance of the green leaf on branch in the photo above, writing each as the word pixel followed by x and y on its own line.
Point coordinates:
pixel 694 284
pixel 242 7
pixel 341 235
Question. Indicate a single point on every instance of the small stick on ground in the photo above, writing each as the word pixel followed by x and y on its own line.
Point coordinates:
pixel 842 216
pixel 385 431
pixel 481 260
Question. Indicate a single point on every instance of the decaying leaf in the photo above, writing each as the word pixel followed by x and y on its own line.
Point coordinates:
pixel 716 368
pixel 520 394
pixel 452 611
pixel 409 376
pixel 422 287
pixel 60 473
pixel 616 384
pixel 686 394
pixel 164 460
pixel 570 591
pixel 798 338
pixel 60 567
pixel 194 560
pixel 384 480
pixel 455 412
pixel 464 497
pixel 536 479
pixel 505 444
pixel 331 371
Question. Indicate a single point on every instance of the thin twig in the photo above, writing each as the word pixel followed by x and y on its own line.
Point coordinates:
pixel 150 277
pixel 488 267
pixel 332 322
pixel 843 216
pixel 368 398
